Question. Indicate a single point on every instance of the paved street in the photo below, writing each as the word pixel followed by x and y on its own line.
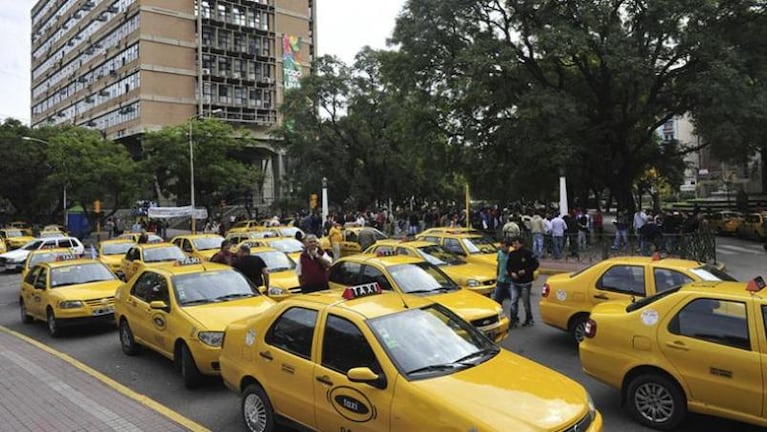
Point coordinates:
pixel 218 409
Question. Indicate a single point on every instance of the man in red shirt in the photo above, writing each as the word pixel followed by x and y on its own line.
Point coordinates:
pixel 312 268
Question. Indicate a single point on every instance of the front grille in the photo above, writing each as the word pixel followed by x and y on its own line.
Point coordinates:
pixel 489 282
pixel 483 322
pixel 295 290
pixel 98 302
pixel 582 425
pixel 3 261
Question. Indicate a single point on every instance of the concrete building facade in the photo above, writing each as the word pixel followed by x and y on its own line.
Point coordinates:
pixel 125 67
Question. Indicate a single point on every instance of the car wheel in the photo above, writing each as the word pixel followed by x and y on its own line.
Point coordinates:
pixel 127 342
pixel 53 324
pixel 190 373
pixel 578 327
pixel 656 401
pixel 257 411
pixel 25 317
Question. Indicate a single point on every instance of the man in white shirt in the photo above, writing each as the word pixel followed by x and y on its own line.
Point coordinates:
pixel 640 219
pixel 558 229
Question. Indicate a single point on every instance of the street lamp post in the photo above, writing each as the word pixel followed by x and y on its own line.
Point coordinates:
pixel 66 210
pixel 324 199
pixel 191 163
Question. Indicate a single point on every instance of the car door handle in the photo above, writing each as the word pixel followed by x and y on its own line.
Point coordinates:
pixel 288 369
pixel 679 345
pixel 266 354
pixel 601 297
pixel 325 380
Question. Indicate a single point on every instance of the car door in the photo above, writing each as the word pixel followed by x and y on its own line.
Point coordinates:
pixel 137 309
pixel 339 403
pixel 159 321
pixel 344 274
pixel 287 360
pixel 30 294
pixel 710 343
pixel 620 282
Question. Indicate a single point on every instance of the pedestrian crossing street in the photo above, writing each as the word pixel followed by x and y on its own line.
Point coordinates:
pixel 727 249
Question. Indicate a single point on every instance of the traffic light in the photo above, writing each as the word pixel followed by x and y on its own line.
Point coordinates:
pixel 313 201
pixel 97 206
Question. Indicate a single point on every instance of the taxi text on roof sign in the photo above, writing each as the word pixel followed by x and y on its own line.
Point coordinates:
pixel 188 261
pixel 357 291
pixel 67 257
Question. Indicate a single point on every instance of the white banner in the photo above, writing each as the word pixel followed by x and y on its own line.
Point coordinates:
pixel 171 212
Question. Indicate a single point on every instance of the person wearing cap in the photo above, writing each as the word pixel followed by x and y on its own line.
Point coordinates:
pixel 252 267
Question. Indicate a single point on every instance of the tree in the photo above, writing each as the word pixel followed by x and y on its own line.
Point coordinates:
pixel 220 174
pixel 23 173
pixel 538 86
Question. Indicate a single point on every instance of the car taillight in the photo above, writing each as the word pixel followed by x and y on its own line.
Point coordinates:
pixel 545 290
pixel 590 329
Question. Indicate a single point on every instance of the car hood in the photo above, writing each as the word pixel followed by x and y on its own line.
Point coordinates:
pixel 464 272
pixel 15 254
pixel 90 291
pixel 284 279
pixel 490 258
pixel 467 304
pixel 216 316
pixel 111 260
pixel 510 392
pixel 207 254
pixel 19 240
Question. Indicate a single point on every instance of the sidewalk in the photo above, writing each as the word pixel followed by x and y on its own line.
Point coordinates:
pixel 43 390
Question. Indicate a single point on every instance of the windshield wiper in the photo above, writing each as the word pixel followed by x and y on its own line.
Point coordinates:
pixel 435 368
pixel 279 269
pixel 233 296
pixel 481 353
pixel 199 301
pixel 423 291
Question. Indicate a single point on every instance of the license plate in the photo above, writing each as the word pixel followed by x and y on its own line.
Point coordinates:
pixel 103 311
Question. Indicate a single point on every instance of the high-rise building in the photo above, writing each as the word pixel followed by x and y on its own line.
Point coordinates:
pixel 125 67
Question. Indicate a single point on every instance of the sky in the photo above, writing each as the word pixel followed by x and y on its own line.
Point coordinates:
pixel 344 27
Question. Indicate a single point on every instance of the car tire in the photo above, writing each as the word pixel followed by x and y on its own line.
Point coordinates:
pixel 257 411
pixel 25 317
pixel 53 324
pixel 127 341
pixel 656 401
pixel 577 327
pixel 190 373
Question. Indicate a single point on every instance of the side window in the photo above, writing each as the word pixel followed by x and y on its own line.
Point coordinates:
pixel 187 246
pixel 717 321
pixel 42 278
pixel 666 279
pixel 431 239
pixel 30 279
pixel 350 236
pixel 344 347
pixel 372 274
pixel 293 331
pixel 159 290
pixel 345 273
pixel 384 251
pixel 51 244
pixel 453 246
pixel 623 279
pixel 404 251
pixel 177 242
pixel 65 243
pixel 142 286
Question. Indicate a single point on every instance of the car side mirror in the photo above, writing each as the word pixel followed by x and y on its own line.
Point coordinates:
pixel 365 375
pixel 158 305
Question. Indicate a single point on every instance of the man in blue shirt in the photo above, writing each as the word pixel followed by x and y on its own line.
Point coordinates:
pixel 503 282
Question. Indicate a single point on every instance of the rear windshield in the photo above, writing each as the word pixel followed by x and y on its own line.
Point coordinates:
pixel 649 300
pixel 711 273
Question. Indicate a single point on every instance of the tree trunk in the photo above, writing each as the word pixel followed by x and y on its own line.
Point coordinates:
pixel 623 195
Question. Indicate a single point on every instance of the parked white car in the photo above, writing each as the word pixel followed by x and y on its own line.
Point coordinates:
pixel 14 260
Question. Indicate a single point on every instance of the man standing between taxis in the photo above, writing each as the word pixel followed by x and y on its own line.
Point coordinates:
pixel 521 268
pixel 335 237
pixel 252 267
pixel 225 255
pixel 503 283
pixel 312 268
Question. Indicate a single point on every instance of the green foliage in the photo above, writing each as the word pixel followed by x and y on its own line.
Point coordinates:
pixel 219 172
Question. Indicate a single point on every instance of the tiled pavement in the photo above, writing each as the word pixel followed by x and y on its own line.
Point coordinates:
pixel 45 391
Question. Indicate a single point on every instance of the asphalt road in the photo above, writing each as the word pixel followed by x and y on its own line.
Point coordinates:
pixel 218 409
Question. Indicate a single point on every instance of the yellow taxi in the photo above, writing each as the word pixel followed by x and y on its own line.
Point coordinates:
pixel 567 299
pixel 51 230
pixel 134 236
pixel 25 227
pixel 14 238
pixel 247 225
pixel 350 244
pixel 202 246
pixel 111 253
pixel 241 236
pixel 68 292
pixel 697 348
pixel 181 311
pixel 43 256
pixel 460 230
pixel 475 248
pixel 289 246
pixel 3 247
pixel 412 278
pixel 725 222
pixel 329 361
pixel 753 226
pixel 149 255
pixel 479 278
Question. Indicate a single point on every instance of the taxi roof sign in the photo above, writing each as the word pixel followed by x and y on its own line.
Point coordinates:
pixel 364 290
pixel 67 257
pixel 188 261
pixel 756 284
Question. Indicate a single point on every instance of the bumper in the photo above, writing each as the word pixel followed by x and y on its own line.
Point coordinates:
pixel 11 266
pixel 85 321
pixel 554 314
pixel 498 331
pixel 597 425
pixel 206 357
pixel 484 290
pixel 602 364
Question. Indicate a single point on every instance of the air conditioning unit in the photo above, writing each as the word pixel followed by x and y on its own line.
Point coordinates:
pixel 89 99
pixel 236 75
pixel 82 79
pixel 205 71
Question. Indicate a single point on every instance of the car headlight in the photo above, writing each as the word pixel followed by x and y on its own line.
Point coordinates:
pixel 70 304
pixel 212 338
pixel 276 291
pixel 501 314
pixel 472 283
pixel 592 408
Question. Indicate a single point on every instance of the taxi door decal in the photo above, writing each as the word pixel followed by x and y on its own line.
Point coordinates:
pixel 351 404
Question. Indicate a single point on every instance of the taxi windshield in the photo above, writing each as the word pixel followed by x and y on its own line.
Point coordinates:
pixel 80 274
pixel 115 248
pixel 44 257
pixel 207 243
pixel 287 245
pixel 437 255
pixel 443 344
pixel 13 233
pixel 711 273
pixel 288 231
pixel 421 277
pixel 276 261
pixel 51 234
pixel 210 287
pixel 262 234
pixel 170 253
pixel 479 245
